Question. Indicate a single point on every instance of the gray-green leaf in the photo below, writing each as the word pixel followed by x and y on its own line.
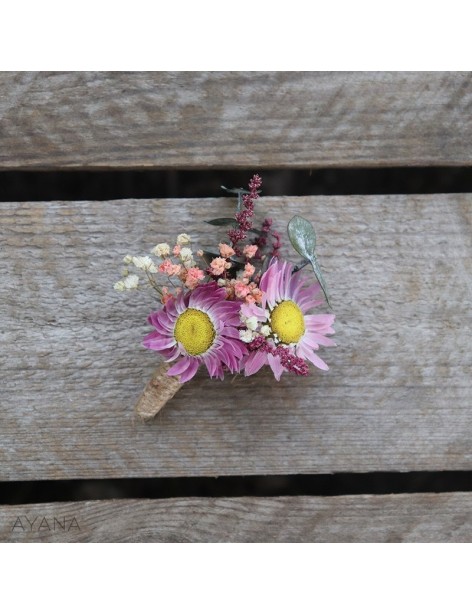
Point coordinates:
pixel 303 238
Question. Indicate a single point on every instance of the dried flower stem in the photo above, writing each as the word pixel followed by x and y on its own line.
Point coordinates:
pixel 160 389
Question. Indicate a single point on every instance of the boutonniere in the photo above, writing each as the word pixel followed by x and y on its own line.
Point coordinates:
pixel 235 310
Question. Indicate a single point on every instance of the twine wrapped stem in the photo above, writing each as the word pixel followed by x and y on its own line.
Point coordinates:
pixel 160 389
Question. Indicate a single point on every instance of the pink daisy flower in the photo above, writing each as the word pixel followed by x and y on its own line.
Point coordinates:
pixel 284 319
pixel 199 327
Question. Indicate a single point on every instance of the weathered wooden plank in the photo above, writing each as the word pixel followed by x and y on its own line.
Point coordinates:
pixel 445 517
pixel 230 119
pixel 397 397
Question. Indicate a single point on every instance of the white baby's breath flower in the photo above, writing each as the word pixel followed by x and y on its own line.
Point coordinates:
pixel 251 323
pixel 246 335
pixel 131 282
pixel 186 254
pixel 161 250
pixel 128 283
pixel 183 239
pixel 265 330
pixel 128 259
pixel 145 263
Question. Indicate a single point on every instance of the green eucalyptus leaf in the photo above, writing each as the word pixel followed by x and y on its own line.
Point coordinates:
pixel 223 221
pixel 303 238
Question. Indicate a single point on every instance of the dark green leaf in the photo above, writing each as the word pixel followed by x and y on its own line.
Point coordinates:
pixel 237 260
pixel 235 190
pixel 208 256
pixel 223 221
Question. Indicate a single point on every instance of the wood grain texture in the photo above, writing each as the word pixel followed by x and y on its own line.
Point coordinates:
pixel 361 518
pixel 230 119
pixel 397 396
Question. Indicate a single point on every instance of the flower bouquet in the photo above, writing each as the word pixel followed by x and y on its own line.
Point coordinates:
pixel 235 310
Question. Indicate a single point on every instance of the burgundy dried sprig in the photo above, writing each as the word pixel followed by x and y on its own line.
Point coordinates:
pixel 276 245
pixel 292 363
pixel 259 343
pixel 261 240
pixel 244 217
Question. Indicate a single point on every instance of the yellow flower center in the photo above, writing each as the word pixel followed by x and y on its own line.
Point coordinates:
pixel 287 322
pixel 194 331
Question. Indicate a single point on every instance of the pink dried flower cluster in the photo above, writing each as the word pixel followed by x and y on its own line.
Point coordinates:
pixel 169 268
pixel 244 290
pixel 225 250
pixel 193 277
pixel 218 266
pixel 250 251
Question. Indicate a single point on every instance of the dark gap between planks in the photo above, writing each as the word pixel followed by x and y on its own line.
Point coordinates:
pixel 17 186
pixel 381 483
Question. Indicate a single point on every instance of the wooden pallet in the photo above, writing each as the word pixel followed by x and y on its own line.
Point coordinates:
pixel 398 395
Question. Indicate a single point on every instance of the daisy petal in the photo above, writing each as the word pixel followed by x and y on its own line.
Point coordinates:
pixel 254 363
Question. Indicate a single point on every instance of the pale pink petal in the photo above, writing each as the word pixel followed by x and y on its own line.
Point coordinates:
pixel 254 363
pixel 190 372
pixel 171 353
pixel 211 363
pixel 276 366
pixel 158 342
pixel 230 331
pixel 249 310
pixel 316 338
pixel 237 347
pixel 228 359
pixel 316 360
pixel 180 366
pixel 320 320
pixel 220 373
pixel 186 368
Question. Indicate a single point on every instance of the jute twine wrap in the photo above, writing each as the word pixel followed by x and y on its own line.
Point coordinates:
pixel 160 389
